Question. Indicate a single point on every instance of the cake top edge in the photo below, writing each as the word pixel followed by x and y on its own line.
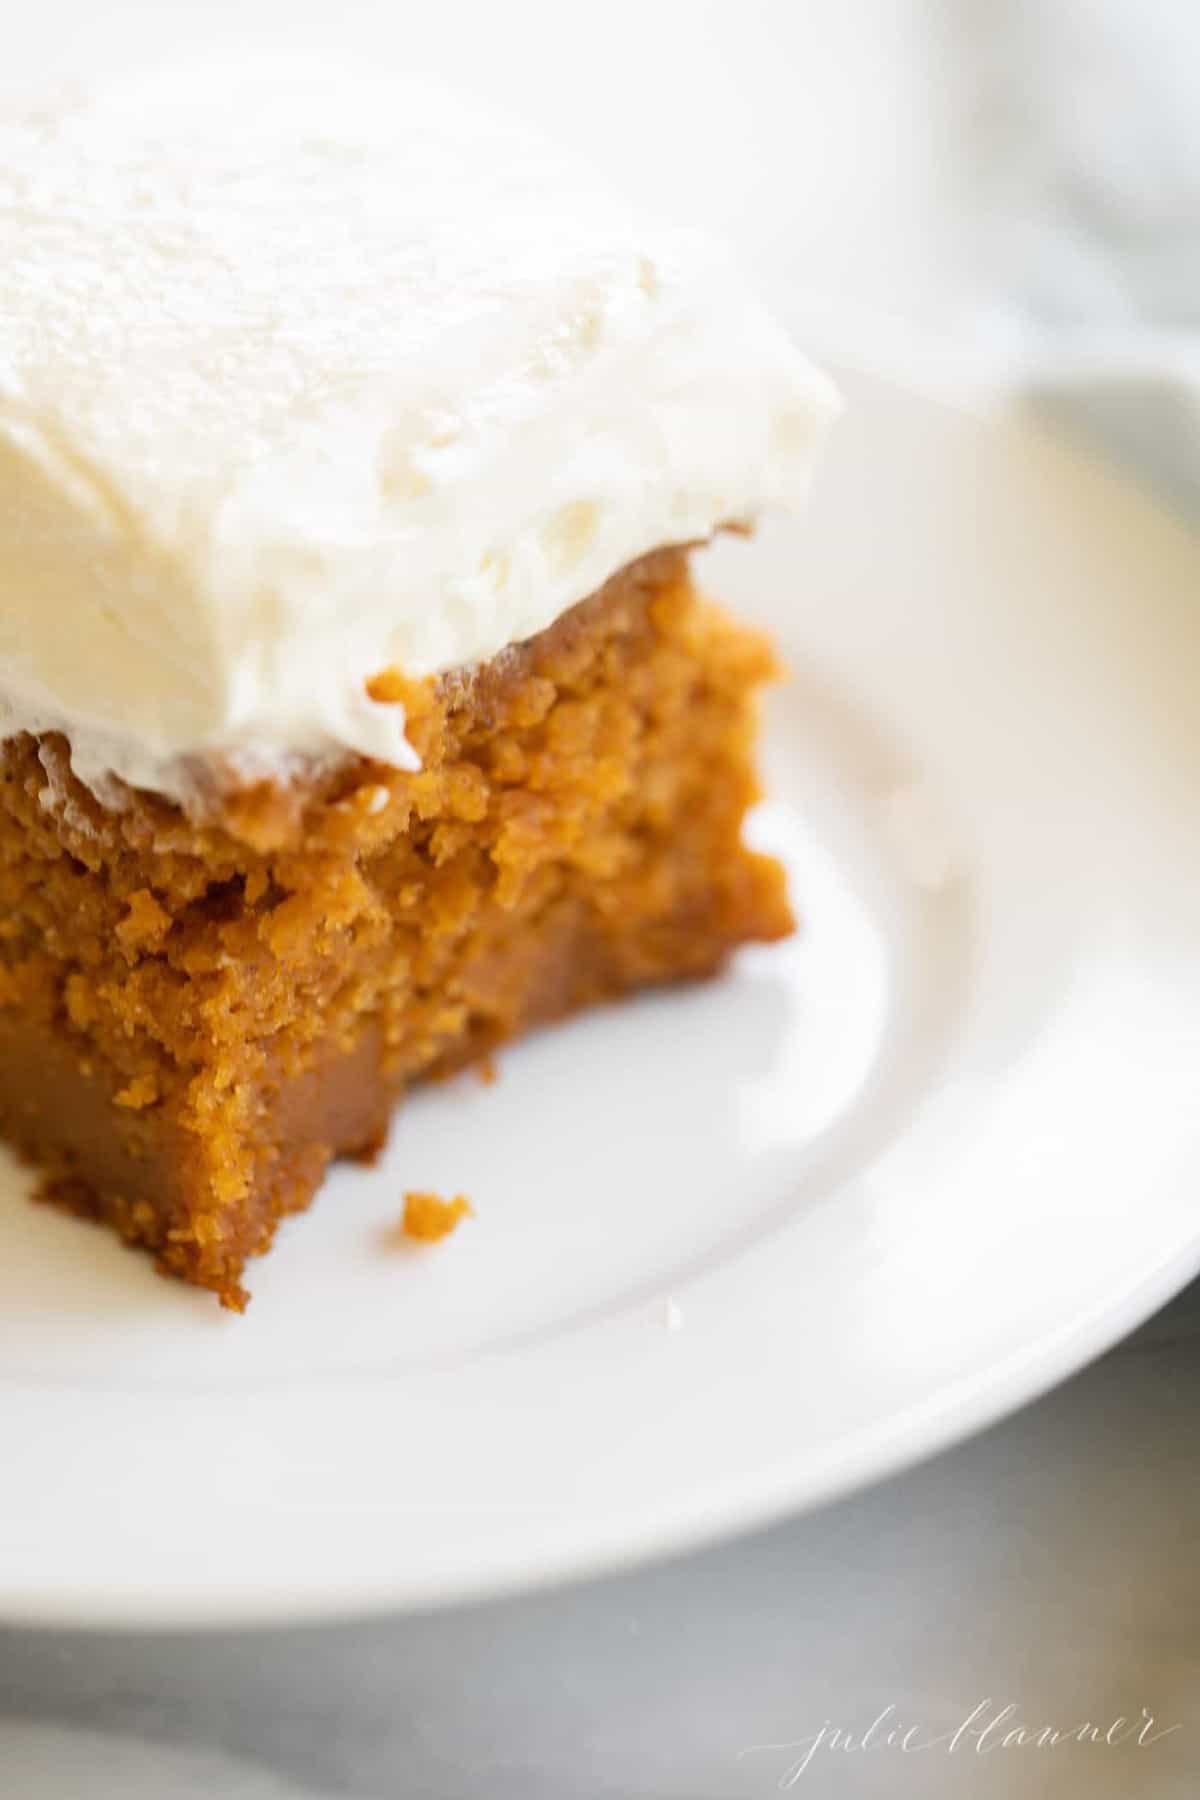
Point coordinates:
pixel 311 371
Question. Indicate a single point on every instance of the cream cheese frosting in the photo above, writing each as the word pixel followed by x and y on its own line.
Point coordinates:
pixel 305 374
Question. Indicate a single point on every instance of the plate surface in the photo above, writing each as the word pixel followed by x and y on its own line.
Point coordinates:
pixel 738 1249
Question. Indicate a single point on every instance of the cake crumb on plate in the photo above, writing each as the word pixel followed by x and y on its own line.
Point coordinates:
pixel 428 1218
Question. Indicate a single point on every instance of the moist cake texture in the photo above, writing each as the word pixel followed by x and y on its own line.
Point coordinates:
pixel 358 710
pixel 198 1016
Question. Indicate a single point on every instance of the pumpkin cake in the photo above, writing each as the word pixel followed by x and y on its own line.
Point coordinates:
pixel 359 710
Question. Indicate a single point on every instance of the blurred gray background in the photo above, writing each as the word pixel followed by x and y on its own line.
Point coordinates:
pixel 967 192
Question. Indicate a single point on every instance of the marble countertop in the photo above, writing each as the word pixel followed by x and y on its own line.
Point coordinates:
pixel 1051 1565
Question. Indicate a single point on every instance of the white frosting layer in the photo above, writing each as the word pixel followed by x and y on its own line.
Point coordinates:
pixel 303 375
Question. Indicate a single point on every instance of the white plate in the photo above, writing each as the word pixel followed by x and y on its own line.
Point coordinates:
pixel 885 1182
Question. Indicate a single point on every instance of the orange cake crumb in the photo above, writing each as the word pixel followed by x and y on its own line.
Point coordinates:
pixel 428 1218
